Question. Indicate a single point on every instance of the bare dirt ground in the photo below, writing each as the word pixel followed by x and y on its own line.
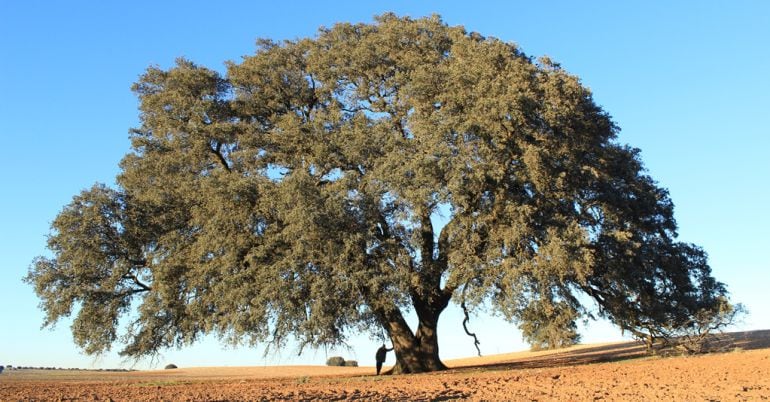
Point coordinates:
pixel 618 371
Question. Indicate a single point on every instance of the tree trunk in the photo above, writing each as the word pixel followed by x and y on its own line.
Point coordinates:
pixel 416 352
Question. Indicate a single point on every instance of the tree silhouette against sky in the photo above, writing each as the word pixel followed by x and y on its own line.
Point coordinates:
pixel 324 187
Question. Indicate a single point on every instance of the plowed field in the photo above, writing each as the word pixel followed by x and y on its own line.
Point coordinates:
pixel 618 371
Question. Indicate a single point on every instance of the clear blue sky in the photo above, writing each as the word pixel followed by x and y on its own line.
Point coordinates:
pixel 688 83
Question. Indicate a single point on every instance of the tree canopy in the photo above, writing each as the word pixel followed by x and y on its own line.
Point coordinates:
pixel 323 187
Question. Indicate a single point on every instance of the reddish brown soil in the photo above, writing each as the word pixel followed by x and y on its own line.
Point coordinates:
pixel 594 372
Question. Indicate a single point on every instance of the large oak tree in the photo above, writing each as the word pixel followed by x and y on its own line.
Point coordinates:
pixel 323 187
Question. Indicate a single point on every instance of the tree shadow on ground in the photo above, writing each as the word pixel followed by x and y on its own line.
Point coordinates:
pixel 751 340
pixel 748 340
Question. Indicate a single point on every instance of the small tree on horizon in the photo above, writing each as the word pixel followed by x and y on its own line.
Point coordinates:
pixel 326 186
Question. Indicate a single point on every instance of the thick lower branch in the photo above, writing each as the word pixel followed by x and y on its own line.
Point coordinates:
pixel 427 243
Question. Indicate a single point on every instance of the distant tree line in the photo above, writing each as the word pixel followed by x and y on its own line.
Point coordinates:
pixel 10 367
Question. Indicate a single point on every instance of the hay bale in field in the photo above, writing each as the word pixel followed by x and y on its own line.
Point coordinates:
pixel 335 361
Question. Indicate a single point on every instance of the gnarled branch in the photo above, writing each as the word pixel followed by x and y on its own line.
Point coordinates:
pixel 467 318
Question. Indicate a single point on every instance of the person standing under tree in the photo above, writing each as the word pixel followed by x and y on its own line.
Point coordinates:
pixel 382 352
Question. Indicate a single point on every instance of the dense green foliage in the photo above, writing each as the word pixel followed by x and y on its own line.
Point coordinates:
pixel 324 186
